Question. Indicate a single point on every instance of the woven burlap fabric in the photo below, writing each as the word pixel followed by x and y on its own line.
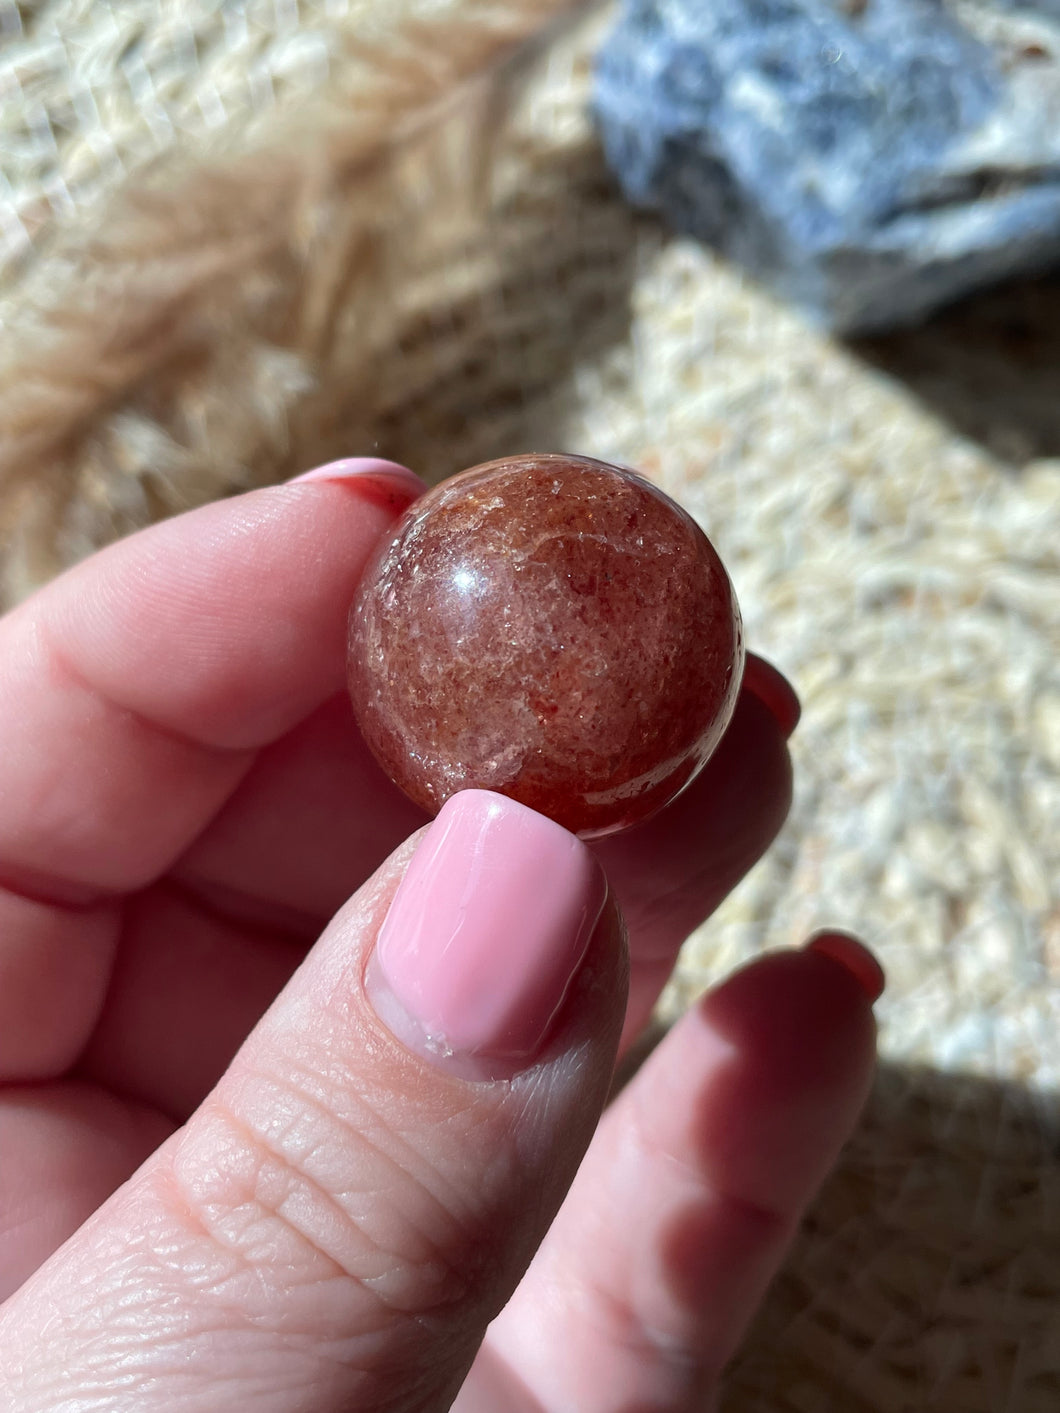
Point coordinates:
pixel 242 239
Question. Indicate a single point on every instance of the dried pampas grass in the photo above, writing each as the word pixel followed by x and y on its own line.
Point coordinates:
pixel 217 323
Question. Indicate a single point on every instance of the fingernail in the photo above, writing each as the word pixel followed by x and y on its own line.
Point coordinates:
pixel 392 483
pixel 854 957
pixel 485 934
pixel 774 691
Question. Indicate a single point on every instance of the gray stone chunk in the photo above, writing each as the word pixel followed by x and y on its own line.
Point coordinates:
pixel 870 159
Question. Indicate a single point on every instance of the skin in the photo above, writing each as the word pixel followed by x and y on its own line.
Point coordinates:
pixel 225 1184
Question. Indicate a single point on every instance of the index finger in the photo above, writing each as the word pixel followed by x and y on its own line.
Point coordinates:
pixel 136 689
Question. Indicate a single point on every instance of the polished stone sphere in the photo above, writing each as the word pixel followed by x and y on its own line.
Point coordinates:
pixel 552 628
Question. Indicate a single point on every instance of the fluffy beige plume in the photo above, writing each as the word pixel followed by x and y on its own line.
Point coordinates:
pixel 218 323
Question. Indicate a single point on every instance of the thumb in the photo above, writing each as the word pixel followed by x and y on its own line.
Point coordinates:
pixel 361 1193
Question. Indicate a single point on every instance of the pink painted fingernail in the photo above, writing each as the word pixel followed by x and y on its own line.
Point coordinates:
pixel 854 957
pixel 485 934
pixel 774 691
pixel 397 483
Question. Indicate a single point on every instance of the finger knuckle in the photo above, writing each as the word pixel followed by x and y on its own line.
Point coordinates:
pixel 323 1199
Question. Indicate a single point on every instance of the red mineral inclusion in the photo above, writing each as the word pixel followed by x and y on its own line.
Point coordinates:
pixel 552 628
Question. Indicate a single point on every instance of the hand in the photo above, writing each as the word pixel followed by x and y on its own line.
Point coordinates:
pixel 268 1199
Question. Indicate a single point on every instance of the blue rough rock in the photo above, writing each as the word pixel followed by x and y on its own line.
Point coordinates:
pixel 869 159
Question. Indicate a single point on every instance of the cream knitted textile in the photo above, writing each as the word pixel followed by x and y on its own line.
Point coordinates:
pixel 237 239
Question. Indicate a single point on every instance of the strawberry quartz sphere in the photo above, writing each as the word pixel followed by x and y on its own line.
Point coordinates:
pixel 552 628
